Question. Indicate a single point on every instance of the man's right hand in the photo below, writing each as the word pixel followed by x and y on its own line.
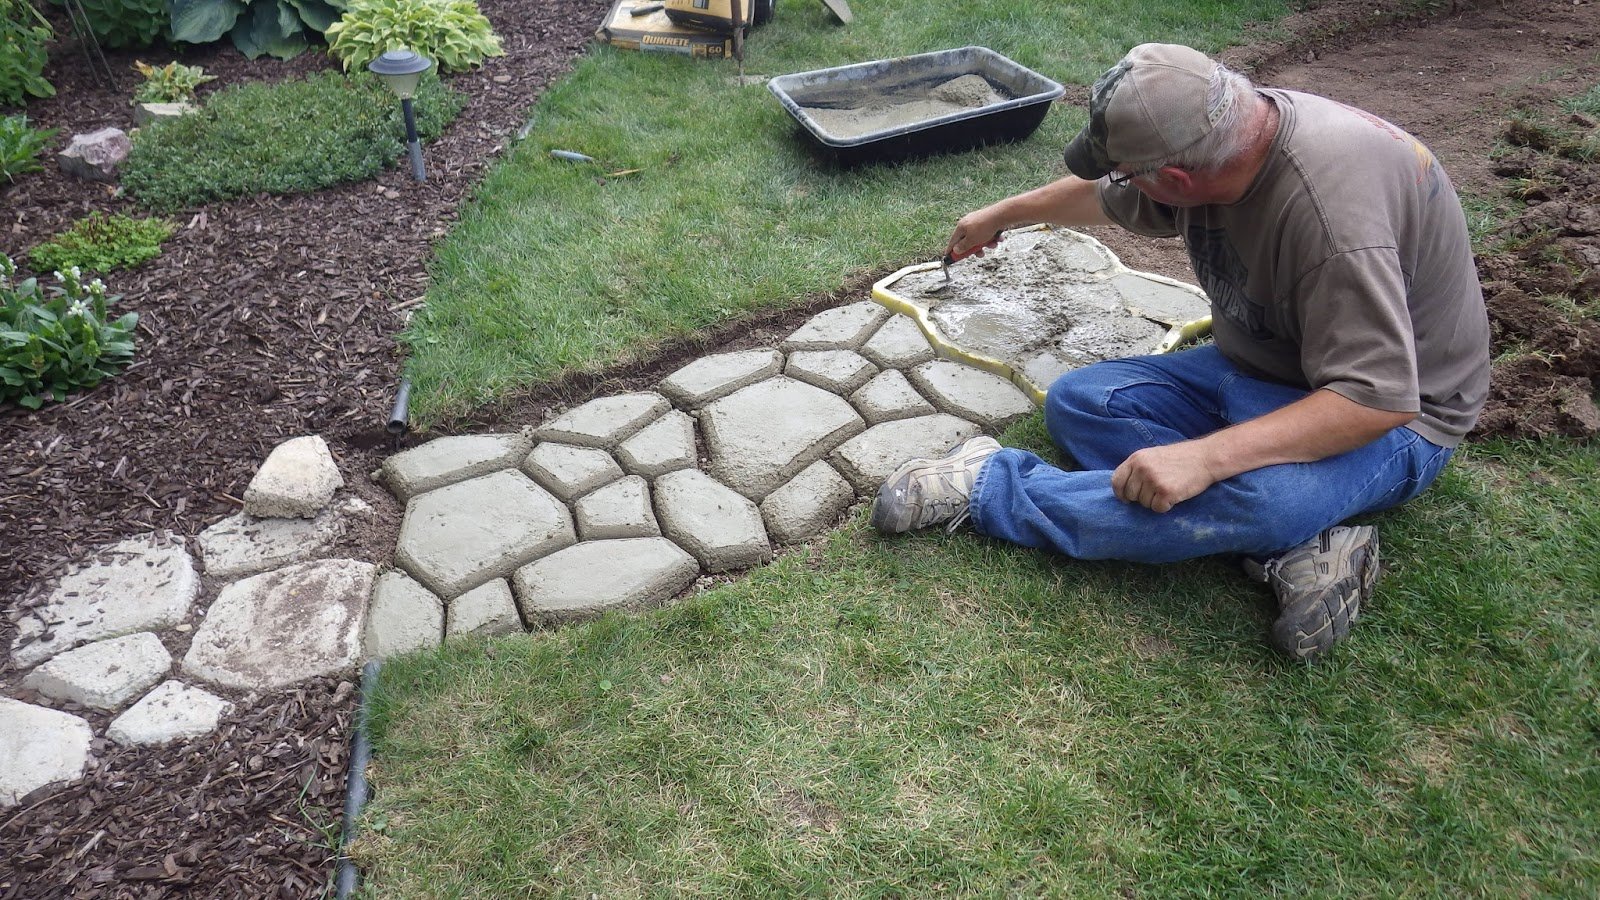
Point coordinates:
pixel 975 232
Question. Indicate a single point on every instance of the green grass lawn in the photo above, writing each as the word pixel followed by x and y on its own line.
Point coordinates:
pixel 556 268
pixel 946 715
pixel 952 716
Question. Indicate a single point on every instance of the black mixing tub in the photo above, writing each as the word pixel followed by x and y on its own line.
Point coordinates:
pixel 1020 97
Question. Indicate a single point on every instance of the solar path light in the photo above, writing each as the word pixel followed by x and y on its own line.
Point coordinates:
pixel 402 71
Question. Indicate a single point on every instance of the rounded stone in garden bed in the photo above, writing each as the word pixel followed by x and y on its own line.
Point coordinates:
pixel 174 711
pixel 103 675
pixel 39 747
pixel 297 480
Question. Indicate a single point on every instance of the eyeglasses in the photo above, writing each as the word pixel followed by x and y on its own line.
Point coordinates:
pixel 1124 177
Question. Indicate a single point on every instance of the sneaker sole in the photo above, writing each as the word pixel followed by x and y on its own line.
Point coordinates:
pixel 1332 613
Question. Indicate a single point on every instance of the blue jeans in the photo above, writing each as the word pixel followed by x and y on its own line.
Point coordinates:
pixel 1102 413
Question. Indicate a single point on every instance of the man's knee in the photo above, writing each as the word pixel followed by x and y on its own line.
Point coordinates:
pixel 1083 392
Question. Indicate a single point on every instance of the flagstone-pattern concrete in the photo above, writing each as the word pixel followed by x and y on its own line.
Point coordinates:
pixel 621 509
pixel 570 472
pixel 604 422
pixel 403 616
pixel 39 747
pixel 762 435
pixel 899 344
pixel 458 537
pixel 715 377
pixel 280 627
pixel 808 505
pixel 865 461
pixel 842 328
pixel 485 611
pixel 839 371
pixel 712 521
pixel 171 712
pixel 141 584
pixel 973 394
pixel 889 396
pixel 297 480
pixel 447 460
pixel 594 576
pixel 665 445
pixel 244 545
pixel 105 674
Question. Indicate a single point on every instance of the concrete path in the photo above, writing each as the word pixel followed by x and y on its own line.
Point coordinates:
pixel 621 502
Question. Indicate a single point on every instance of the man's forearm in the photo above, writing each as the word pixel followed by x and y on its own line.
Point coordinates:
pixel 1319 425
pixel 1069 202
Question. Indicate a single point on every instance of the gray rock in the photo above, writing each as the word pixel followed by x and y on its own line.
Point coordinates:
pixel 274 629
pixel 103 675
pixel 621 509
pixel 585 580
pixel 761 436
pixel 808 505
pixel 899 344
pixel 663 446
pixel 606 421
pixel 485 611
pixel 146 113
pixel 174 711
pixel 866 460
pixel 448 460
pixel 839 371
pixel 722 529
pixel 842 328
pixel 458 537
pixel 297 480
pixel 404 616
pixel 890 396
pixel 245 545
pixel 97 155
pixel 570 472
pixel 713 377
pixel 971 393
pixel 39 747
pixel 144 583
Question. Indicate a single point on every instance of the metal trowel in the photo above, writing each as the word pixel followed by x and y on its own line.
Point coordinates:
pixel 944 266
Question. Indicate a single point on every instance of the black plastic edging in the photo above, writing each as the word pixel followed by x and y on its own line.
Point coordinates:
pixel 356 790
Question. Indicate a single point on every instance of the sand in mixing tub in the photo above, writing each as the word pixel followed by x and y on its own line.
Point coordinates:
pixel 865 111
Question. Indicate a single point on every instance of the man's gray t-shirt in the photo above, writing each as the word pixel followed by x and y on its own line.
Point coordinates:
pixel 1346 265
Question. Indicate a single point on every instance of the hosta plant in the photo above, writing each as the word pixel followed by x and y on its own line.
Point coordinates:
pixel 20 146
pixel 171 83
pixel 23 36
pixel 126 23
pixel 279 28
pixel 452 33
pixel 56 340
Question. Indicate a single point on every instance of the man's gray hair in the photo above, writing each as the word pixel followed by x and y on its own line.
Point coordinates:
pixel 1231 134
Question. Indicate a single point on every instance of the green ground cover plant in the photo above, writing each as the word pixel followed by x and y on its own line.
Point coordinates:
pixel 345 128
pixel 452 33
pixel 20 146
pixel 24 40
pixel 56 340
pixel 100 243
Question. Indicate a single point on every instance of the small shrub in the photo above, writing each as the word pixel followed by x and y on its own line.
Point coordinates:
pixel 20 146
pixel 452 33
pixel 23 36
pixel 172 83
pixel 100 243
pixel 127 23
pixel 278 138
pixel 56 341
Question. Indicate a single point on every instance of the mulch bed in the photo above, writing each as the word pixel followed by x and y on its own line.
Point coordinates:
pixel 271 317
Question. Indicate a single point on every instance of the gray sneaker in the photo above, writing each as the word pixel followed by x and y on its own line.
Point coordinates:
pixel 925 492
pixel 1321 585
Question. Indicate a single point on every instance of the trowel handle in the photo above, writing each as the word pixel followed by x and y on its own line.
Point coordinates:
pixel 952 257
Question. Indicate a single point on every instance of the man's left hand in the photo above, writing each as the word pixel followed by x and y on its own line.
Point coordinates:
pixel 1160 478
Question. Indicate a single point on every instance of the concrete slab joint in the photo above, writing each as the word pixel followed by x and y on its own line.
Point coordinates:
pixel 663 446
pixel 485 611
pixel 404 616
pixel 713 377
pixel 839 371
pixel 570 472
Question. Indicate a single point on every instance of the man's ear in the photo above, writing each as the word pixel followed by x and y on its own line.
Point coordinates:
pixel 1178 178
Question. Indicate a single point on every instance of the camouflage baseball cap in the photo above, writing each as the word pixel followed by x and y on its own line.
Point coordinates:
pixel 1151 105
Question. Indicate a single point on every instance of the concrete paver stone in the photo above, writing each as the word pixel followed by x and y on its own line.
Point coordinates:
pixel 484 611
pixel 621 509
pixel 762 435
pixel 808 505
pixel 144 583
pixel 271 630
pixel 840 328
pixel 447 460
pixel 404 616
pixel 889 396
pixel 839 371
pixel 663 446
pixel 866 460
pixel 899 344
pixel 712 521
pixel 39 746
pixel 974 394
pixel 713 377
pixel 105 674
pixel 244 545
pixel 297 480
pixel 174 711
pixel 606 421
pixel 570 472
pixel 585 580
pixel 458 537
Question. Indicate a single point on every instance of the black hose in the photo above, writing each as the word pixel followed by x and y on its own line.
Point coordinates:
pixel 356 790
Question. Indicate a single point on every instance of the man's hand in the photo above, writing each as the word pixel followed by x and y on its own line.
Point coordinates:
pixel 1160 478
pixel 979 230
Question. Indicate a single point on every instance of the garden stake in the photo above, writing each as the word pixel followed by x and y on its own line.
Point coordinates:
pixel 399 416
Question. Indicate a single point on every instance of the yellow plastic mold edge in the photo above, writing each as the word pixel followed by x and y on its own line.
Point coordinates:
pixel 884 295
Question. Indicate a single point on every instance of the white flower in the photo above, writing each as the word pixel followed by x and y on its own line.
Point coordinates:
pixel 78 308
